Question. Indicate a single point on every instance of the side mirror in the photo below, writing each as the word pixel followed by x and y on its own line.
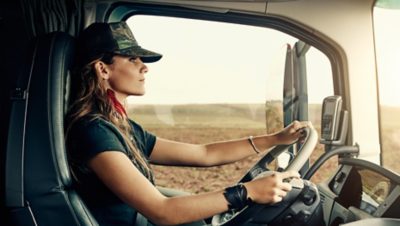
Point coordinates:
pixel 334 121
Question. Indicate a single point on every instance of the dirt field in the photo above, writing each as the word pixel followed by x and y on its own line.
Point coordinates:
pixel 209 123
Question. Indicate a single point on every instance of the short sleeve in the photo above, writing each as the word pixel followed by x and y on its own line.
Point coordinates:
pixel 144 139
pixel 90 138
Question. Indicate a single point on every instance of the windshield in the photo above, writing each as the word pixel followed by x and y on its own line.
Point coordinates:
pixel 219 81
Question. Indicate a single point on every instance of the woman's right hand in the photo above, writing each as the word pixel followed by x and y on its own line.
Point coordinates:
pixel 271 187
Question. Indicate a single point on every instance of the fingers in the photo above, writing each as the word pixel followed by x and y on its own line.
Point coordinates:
pixel 279 191
pixel 280 185
pixel 292 132
pixel 277 196
pixel 285 186
pixel 285 179
pixel 297 129
pixel 280 175
pixel 296 125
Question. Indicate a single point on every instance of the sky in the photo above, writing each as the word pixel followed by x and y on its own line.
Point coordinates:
pixel 209 62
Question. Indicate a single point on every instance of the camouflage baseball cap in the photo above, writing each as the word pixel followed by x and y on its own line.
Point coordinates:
pixel 100 38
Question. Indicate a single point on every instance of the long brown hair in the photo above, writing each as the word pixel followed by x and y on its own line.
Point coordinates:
pixel 91 101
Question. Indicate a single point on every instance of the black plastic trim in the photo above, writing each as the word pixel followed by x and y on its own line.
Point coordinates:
pixel 372 166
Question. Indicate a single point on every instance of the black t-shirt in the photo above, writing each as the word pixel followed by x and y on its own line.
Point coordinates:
pixel 88 138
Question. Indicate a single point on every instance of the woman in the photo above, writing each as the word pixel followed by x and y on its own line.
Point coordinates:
pixel 109 153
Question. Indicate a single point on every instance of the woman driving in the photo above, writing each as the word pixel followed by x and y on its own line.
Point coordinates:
pixel 109 153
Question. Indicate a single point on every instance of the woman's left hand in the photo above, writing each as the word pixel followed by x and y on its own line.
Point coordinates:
pixel 292 132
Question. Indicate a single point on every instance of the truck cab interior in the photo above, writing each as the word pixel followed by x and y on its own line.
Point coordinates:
pixel 38 46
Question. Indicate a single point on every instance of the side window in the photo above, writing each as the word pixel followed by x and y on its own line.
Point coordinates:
pixel 365 189
pixel 216 81
pixel 375 188
pixel 388 59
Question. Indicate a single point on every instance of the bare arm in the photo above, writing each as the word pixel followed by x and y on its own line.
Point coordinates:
pixel 119 174
pixel 168 152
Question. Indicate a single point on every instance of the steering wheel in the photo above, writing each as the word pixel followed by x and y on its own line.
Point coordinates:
pixel 301 189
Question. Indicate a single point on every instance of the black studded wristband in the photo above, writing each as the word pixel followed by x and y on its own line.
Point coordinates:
pixel 236 196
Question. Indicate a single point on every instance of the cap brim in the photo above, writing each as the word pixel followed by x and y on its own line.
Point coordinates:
pixel 145 55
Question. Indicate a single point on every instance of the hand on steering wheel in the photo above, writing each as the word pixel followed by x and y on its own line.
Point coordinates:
pixel 291 133
pixel 271 189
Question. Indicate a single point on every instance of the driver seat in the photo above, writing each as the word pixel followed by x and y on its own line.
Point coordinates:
pixel 38 182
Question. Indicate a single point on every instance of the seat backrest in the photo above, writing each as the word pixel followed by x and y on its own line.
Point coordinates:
pixel 38 182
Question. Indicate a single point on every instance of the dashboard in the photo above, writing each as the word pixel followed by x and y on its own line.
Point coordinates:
pixel 360 190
